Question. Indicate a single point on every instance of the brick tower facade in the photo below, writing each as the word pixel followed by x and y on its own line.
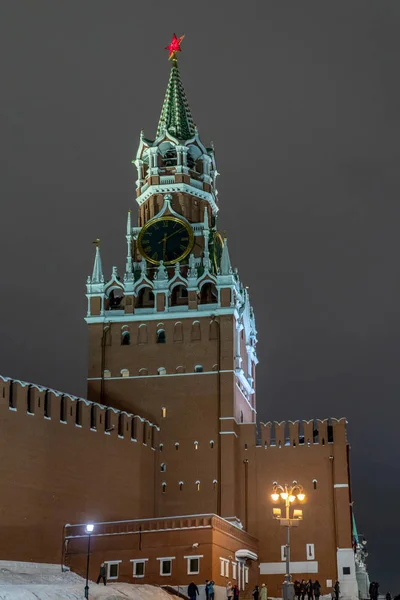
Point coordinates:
pixel 175 338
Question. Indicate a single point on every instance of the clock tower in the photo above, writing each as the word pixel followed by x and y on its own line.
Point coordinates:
pixel 173 338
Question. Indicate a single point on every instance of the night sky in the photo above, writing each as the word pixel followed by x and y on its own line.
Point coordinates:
pixel 301 100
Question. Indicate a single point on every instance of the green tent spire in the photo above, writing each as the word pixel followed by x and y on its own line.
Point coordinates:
pixel 175 114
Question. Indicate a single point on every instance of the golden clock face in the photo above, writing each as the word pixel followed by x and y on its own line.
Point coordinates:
pixel 168 239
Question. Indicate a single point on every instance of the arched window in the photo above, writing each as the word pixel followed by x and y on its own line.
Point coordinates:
pixel 211 443
pixel 180 486
pixel 196 331
pixel 198 369
pixel 179 296
pixel 162 371
pixel 215 483
pixel 142 334
pixel 93 420
pixel 198 486
pixel 164 487
pixel 115 299
pixel 161 338
pixel 178 332
pixel 163 412
pixel 107 373
pixel 125 338
pixel 170 157
pixel 208 294
pixel 161 446
pixel 196 445
pixel 315 484
pixel 163 467
pixel 143 372
pixel 180 369
pixel 176 445
pixel 145 298
pixel 213 333
pixel 124 373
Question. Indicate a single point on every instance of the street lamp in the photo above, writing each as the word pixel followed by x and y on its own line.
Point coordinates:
pixel 89 530
pixel 288 493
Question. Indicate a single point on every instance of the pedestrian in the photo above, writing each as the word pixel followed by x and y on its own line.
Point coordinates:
pixel 256 593
pixel 264 592
pixel 309 589
pixel 102 574
pixel 211 590
pixel 193 591
pixel 207 589
pixel 302 589
pixel 229 590
pixel 235 592
pixel 337 590
pixel 297 589
pixel 317 589
pixel 376 590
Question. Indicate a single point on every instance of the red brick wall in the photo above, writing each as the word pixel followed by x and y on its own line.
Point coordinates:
pixel 326 519
pixel 53 473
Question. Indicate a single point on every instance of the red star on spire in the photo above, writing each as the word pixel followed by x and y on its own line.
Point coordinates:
pixel 174 46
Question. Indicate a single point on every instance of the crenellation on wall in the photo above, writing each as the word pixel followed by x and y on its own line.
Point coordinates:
pixel 46 403
pixel 285 434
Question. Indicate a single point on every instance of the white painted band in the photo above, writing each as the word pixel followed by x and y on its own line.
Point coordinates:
pixel 341 485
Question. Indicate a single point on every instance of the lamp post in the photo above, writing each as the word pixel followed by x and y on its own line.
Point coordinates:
pixel 288 493
pixel 89 530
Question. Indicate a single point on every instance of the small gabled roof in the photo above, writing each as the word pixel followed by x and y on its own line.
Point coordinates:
pixel 175 114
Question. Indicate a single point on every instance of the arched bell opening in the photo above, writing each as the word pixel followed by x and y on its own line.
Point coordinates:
pixel 115 300
pixel 145 298
pixel 208 294
pixel 179 296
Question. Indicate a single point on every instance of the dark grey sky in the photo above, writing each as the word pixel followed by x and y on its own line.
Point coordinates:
pixel 302 102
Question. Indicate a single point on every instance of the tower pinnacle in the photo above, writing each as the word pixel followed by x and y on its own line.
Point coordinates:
pixel 175 114
pixel 97 275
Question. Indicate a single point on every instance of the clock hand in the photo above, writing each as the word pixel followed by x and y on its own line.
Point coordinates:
pixel 175 232
pixel 166 237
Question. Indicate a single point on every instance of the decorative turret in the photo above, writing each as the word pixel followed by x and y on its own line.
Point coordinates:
pixel 97 275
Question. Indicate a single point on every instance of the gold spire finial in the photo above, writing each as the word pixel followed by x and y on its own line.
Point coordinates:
pixel 96 242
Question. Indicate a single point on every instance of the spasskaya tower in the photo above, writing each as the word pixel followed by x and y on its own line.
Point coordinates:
pixel 173 337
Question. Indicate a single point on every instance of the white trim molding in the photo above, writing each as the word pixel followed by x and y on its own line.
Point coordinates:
pixel 341 485
pixel 110 563
pixel 162 561
pixel 279 568
pixel 193 557
pixel 134 562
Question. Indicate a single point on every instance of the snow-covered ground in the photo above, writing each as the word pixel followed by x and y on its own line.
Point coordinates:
pixel 33 581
